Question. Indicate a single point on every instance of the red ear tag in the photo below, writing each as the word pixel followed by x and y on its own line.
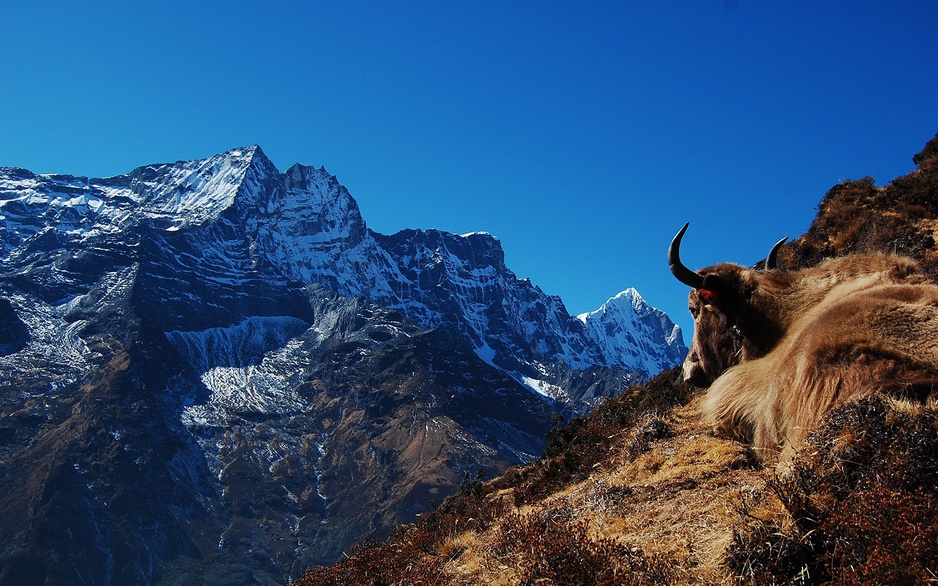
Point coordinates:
pixel 708 297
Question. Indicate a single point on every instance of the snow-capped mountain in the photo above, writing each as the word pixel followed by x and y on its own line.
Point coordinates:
pixel 214 368
pixel 234 218
pixel 629 332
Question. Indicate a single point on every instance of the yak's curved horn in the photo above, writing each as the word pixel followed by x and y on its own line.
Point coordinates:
pixel 682 273
pixel 773 254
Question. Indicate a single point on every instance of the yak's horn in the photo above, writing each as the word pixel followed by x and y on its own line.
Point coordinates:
pixel 770 261
pixel 682 273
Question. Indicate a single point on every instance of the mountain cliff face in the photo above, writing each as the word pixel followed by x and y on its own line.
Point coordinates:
pixel 214 369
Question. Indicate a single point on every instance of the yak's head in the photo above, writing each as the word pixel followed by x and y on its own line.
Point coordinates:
pixel 729 327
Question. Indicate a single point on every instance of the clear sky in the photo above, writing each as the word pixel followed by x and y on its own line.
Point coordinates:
pixel 582 134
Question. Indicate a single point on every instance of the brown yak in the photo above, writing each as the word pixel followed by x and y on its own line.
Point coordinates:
pixel 779 349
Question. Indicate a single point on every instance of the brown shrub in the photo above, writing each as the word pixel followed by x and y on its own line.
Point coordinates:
pixel 862 499
pixel 858 216
pixel 554 548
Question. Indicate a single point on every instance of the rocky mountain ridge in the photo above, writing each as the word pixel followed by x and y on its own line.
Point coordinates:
pixel 234 218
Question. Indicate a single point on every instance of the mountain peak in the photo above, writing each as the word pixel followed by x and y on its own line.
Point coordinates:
pixel 624 326
pixel 629 298
pixel 320 195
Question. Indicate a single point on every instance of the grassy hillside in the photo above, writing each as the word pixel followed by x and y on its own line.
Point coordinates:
pixel 641 492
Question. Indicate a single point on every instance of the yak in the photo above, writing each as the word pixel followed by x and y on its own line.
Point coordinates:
pixel 779 349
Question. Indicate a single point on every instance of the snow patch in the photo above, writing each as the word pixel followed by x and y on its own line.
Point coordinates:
pixel 542 388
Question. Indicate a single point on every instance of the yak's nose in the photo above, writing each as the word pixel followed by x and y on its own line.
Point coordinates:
pixel 694 373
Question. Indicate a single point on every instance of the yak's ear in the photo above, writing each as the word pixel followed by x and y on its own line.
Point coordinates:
pixel 713 282
pixel 709 297
pixel 711 293
pixel 726 294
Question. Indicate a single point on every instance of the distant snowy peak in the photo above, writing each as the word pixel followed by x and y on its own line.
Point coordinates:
pixel 627 303
pixel 633 334
pixel 471 234
pixel 311 230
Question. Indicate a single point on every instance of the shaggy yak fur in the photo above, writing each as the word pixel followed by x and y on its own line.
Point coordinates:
pixel 779 349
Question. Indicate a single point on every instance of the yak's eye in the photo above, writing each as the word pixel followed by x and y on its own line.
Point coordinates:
pixel 694 311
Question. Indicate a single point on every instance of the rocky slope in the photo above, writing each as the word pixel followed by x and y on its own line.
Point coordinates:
pixel 213 370
pixel 640 491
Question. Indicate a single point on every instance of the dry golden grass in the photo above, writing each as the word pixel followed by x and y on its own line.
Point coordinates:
pixel 681 500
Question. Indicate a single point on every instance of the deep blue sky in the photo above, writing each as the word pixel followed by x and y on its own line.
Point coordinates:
pixel 582 134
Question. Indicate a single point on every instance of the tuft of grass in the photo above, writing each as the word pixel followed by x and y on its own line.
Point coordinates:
pixel 553 547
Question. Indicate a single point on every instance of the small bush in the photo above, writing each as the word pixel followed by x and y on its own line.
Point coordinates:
pixel 554 548
pixel 857 216
pixel 883 535
pixel 862 500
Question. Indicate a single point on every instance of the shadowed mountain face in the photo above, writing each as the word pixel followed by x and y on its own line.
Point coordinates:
pixel 213 371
